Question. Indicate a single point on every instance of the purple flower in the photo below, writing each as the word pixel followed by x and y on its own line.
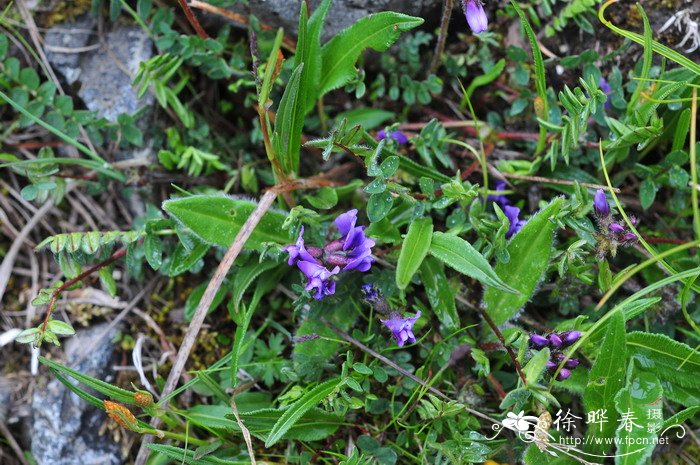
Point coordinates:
pixel 538 342
pixel 616 228
pixel 501 200
pixel 563 374
pixel 516 224
pixel 600 204
pixel 357 248
pixel 298 251
pixel 570 337
pixel 319 278
pixel 554 340
pixel 571 363
pixel 401 328
pixel 551 366
pixel 476 16
pixel 605 87
pixel 629 238
pixel 398 136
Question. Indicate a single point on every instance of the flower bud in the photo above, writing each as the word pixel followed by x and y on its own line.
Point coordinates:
pixel 334 246
pixel 616 228
pixel 600 204
pixel 551 366
pixel 476 16
pixel 554 340
pixel 563 374
pixel 570 337
pixel 336 259
pixel 315 252
pixel 572 363
pixel 537 341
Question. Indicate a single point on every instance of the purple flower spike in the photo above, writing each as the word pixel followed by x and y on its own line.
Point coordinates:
pixel 572 363
pixel 538 342
pixel 570 337
pixel 563 374
pixel 616 228
pixel 319 278
pixel 298 252
pixel 401 328
pixel 600 204
pixel 476 16
pixel 516 224
pixel 554 340
pixel 398 136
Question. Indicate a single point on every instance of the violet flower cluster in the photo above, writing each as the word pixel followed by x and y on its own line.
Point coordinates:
pixel 556 343
pixel 476 16
pixel 511 212
pixel 353 251
pixel 611 233
pixel 401 326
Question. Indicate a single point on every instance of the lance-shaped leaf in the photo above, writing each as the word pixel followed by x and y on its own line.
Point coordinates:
pixel 459 255
pixel 289 123
pixel 530 250
pixel 642 394
pixel 309 53
pixel 297 410
pixel 378 31
pixel 216 219
pixel 605 380
pixel 414 249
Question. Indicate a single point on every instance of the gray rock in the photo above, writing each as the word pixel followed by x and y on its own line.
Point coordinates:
pixel 285 13
pixel 106 75
pixel 64 42
pixel 65 428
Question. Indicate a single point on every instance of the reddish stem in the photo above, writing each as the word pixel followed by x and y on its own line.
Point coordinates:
pixel 54 296
pixel 193 20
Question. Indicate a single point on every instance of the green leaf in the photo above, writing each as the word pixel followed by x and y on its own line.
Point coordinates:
pixel 29 335
pixel 535 367
pixel 295 411
pixel 245 276
pixel 440 295
pixel 116 393
pixel 180 455
pixel 459 255
pixel 605 379
pixel 668 359
pixel 182 259
pixel 414 249
pixel 643 393
pixel 216 219
pixel 153 250
pixel 647 193
pixel 195 297
pixel 107 280
pixel 309 53
pixel 529 250
pixel 379 205
pixel 378 31
pixel 289 123
pixel 314 425
pixel 60 327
